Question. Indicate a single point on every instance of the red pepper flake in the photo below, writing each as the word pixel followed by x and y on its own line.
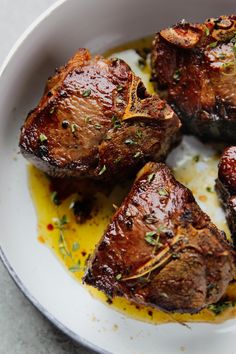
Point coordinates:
pixel 50 227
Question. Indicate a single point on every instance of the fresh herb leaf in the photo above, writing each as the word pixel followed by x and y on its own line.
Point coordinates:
pixel 102 170
pixel 74 127
pixel 130 142
pixel 151 177
pixel 196 158
pixel 119 88
pixel 97 126
pixel 150 237
pixel 213 44
pixel 75 246
pixel 86 93
pixel 139 134
pixel 55 199
pixel 43 138
pixel 118 276
pixel 220 307
pixel 209 189
pixel 207 31
pixel 163 192
pixel 138 154
pixel 76 268
pixel 176 75
pixel 87 120
pixel 115 121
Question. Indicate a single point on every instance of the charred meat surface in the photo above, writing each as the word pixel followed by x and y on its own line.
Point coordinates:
pixel 226 187
pixel 196 66
pixel 97 120
pixel 161 249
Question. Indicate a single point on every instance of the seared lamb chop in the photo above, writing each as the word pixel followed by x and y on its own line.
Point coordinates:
pixel 196 65
pixel 96 119
pixel 161 249
pixel 226 187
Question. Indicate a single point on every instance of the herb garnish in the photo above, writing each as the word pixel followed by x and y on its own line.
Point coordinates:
pixel 176 75
pixel 209 189
pixel 213 44
pixel 219 307
pixel 104 168
pixel 151 177
pixel 86 93
pixel 115 121
pixel 43 138
pixel 207 31
pixel 137 154
pixel 118 276
pixel 76 268
pixel 150 237
pixel 74 127
pixel 97 126
pixel 118 160
pixel 119 88
pixel 59 224
pixel 130 142
pixel 55 199
pixel 75 246
pixel 139 134
pixel 196 158
pixel 163 192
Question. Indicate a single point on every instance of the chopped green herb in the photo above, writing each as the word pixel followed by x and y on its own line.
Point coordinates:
pixel 118 276
pixel 87 120
pixel 150 237
pixel 151 177
pixel 207 31
pixel 138 154
pixel 43 138
pixel 139 134
pixel 176 75
pixel 115 121
pixel 119 88
pixel 142 62
pixel 97 126
pixel 213 44
pixel 209 189
pixel 60 222
pixel 130 142
pixel 220 307
pixel 102 170
pixel 162 192
pixel 118 160
pixel 75 246
pixel 86 93
pixel 75 268
pixel 196 158
pixel 55 199
pixel 74 127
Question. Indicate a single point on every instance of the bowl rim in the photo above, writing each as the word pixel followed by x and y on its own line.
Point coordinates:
pixel 74 336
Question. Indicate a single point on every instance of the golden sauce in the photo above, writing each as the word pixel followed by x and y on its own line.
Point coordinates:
pixel 73 243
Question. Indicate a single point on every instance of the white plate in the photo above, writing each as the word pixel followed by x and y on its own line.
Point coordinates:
pixel 49 42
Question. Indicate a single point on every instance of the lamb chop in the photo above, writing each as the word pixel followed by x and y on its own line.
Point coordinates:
pixel 161 249
pixel 195 64
pixel 226 187
pixel 97 120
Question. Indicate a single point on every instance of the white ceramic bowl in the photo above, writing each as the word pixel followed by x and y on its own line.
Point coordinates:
pixel 49 42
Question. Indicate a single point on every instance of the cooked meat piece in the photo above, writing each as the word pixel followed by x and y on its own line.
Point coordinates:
pixel 195 64
pixel 161 249
pixel 226 187
pixel 96 119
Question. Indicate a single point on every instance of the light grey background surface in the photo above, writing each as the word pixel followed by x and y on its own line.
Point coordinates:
pixel 23 330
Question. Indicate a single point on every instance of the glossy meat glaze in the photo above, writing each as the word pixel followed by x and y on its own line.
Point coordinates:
pixel 161 249
pixel 196 66
pixel 97 120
